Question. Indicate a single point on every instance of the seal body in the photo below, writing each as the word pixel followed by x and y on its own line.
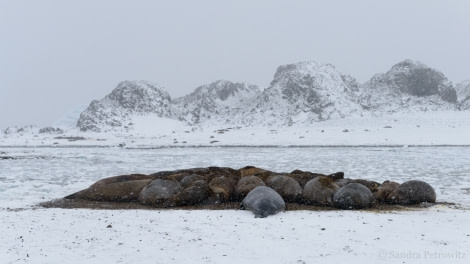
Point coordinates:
pixel 124 188
pixel 413 192
pixel 353 196
pixel 158 191
pixel 382 194
pixel 263 201
pixel 320 191
pixel 287 187
pixel 246 184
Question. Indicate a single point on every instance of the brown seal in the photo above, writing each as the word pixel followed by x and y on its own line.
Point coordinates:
pixel 222 188
pixel 195 193
pixel 287 187
pixel 246 184
pixel 124 188
pixel 384 190
pixel 254 171
pixel 320 191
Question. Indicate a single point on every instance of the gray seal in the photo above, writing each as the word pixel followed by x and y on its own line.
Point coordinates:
pixel 159 191
pixel 353 196
pixel 263 201
pixel 413 192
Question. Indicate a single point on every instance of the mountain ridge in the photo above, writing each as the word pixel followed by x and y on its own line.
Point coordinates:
pixel 300 93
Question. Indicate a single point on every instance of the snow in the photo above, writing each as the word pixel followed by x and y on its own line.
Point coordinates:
pixel 150 130
pixel 177 236
pixel 32 234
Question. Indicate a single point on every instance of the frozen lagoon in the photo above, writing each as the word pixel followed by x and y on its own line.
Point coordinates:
pixel 38 235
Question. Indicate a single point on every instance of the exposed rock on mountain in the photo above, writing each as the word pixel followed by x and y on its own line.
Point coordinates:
pixel 300 94
pixel 128 98
pixel 463 94
pixel 408 85
pixel 215 101
pixel 304 93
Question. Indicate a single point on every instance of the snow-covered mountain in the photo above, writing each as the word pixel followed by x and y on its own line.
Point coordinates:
pixel 408 86
pixel 300 94
pixel 463 94
pixel 127 99
pixel 216 101
pixel 303 93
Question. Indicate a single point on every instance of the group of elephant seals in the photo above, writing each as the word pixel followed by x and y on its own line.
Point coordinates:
pixel 262 191
pixel 263 201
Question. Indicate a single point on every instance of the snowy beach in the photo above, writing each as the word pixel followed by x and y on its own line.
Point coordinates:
pixel 33 234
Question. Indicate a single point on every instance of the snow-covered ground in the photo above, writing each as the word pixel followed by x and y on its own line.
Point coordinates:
pixel 421 128
pixel 32 234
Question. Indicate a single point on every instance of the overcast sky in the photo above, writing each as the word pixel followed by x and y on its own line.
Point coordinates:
pixel 55 55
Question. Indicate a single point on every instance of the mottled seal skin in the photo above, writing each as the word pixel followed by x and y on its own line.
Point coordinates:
pixel 159 191
pixel 122 178
pixel 254 171
pixel 320 191
pixel 124 188
pixel 382 194
pixel 302 177
pixel 413 192
pixel 263 201
pixel 222 188
pixel 287 187
pixel 371 185
pixel 246 184
pixel 336 176
pixel 353 196
pixel 196 193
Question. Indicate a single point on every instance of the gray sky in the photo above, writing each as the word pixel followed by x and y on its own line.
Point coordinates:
pixel 55 55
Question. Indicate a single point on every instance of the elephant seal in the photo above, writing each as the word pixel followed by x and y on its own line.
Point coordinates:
pixel 287 187
pixel 246 184
pixel 320 191
pixel 353 196
pixel 371 185
pixel 195 193
pixel 382 194
pixel 302 177
pixel 254 171
pixel 263 201
pixel 222 188
pixel 413 192
pixel 124 188
pixel 159 191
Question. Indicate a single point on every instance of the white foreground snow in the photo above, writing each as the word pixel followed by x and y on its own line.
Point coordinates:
pixel 437 235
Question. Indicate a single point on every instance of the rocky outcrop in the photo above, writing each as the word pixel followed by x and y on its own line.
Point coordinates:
pixel 408 85
pixel 128 98
pixel 304 93
pixel 216 101
pixel 463 94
